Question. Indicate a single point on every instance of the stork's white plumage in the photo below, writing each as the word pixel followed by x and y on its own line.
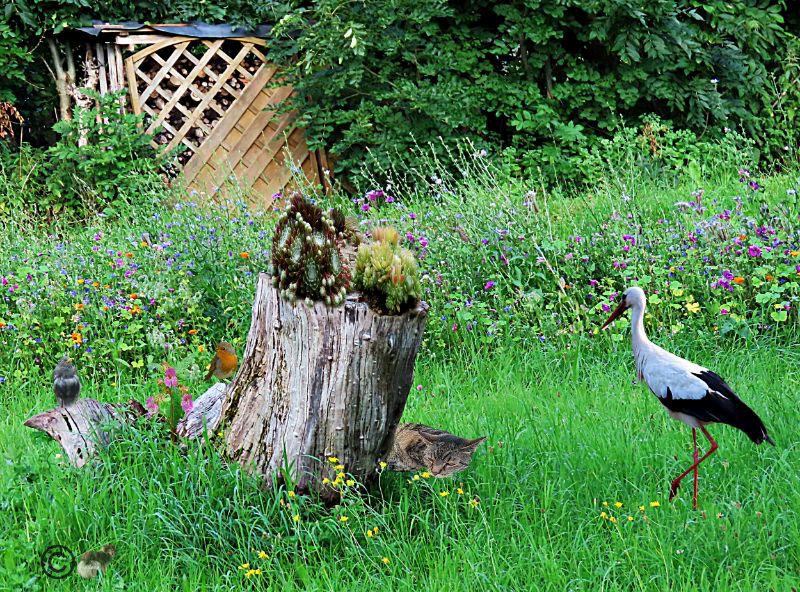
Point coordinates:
pixel 691 393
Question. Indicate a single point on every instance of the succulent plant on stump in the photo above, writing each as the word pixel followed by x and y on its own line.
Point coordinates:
pixel 387 273
pixel 306 256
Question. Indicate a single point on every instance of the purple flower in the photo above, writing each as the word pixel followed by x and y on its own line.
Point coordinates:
pixel 754 251
pixel 413 216
pixel 593 283
pixel 186 403
pixel 727 275
pixel 365 208
pixel 630 239
pixel 489 285
pixel 389 199
pixel 606 307
pixel 724 311
pixel 4 280
pixel 170 378
pixel 423 242
pixel 754 186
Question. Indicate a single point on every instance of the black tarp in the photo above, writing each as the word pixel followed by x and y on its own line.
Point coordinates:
pixel 191 29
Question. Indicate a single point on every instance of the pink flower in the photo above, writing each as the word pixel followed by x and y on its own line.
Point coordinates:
pixel 186 403
pixel 170 379
pixel 754 251
pixel 151 405
pixel 489 285
pixel 724 311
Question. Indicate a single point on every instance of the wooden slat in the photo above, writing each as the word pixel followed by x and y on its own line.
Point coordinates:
pixel 113 84
pixel 271 148
pixel 166 66
pixel 228 121
pixel 101 62
pixel 182 88
pixel 139 39
pixel 259 123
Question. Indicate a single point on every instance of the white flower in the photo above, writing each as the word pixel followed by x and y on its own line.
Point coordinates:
pixel 714 81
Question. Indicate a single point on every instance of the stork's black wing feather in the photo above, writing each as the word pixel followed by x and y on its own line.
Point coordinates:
pixel 720 404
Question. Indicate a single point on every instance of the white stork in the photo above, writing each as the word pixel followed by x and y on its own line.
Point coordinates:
pixel 692 394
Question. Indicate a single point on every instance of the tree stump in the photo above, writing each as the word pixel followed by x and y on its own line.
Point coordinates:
pixel 78 427
pixel 317 382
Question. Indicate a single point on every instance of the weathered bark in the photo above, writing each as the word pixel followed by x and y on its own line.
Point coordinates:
pixel 205 411
pixel 77 427
pixel 317 382
pixel 63 78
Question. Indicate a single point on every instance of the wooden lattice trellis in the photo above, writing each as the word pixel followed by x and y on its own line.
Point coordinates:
pixel 218 100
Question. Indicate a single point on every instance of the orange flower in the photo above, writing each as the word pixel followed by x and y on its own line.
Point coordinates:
pixel 2 324
pixel 136 309
pixel 76 338
pixel 134 296
pixel 79 306
pixel 95 284
pixel 129 254
pixel 244 255
pixel 105 308
pixel 192 331
pixel 794 253
pixel 742 237
pixel 769 278
pixel 738 280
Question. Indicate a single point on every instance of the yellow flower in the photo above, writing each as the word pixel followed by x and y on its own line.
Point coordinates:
pixel 460 491
pixel 385 560
pixel 333 459
pixel 617 504
pixel 693 307
pixel 654 504
pixel 262 555
pixel 612 519
pixel 641 508
pixel 244 566
pixel 291 494
pixel 296 517
pixel 369 534
pixel 349 482
pixel 143 244
pixel 605 504
pixel 257 572
pixel 339 467
pixel 343 518
pixel 603 515
pixel 630 518
pixel 375 530
pixel 76 338
pixel 382 464
pixel 474 503
pixel 95 284
pixel 79 306
pixel 340 476
pixel 81 281
pixel 794 253
pixel 444 493
pixel 426 475
pixel 325 481
pixel 415 477
pixel 201 348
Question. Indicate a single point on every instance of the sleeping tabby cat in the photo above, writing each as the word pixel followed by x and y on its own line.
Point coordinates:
pixel 418 447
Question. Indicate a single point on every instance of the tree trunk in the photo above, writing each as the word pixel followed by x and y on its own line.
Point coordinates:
pixel 77 427
pixel 318 382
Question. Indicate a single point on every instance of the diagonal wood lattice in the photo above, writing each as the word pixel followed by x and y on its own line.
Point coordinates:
pixel 218 99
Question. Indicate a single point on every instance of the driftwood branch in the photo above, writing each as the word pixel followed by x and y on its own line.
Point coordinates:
pixel 79 427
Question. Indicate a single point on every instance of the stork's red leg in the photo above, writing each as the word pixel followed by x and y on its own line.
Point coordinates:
pixel 676 483
pixel 694 459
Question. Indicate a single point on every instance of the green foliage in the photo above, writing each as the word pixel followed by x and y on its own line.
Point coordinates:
pixel 306 255
pixel 543 78
pixel 114 165
pixel 388 271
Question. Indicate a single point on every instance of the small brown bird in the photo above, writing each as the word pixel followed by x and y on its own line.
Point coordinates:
pixel 224 363
pixel 65 382
pixel 93 562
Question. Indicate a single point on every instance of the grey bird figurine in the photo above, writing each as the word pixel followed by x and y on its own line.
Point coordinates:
pixel 66 383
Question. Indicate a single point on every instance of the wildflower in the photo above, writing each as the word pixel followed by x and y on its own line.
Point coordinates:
pixel 769 278
pixel 612 519
pixel 325 481
pixel 794 253
pixel 79 306
pixel 444 493
pixel 692 307
pixel 151 405
pixel 641 508
pixel 489 285
pixel 385 560
pixel 244 255
pixel 339 467
pixel 134 296
pixel 349 482
pixel 603 515
pixel 426 475
pixel 77 338
pixel 617 504
pixel 296 517
pixel 754 251
pixel 80 281
pixel 375 530
pixel 201 348
pixel 343 518
pixel 605 504
pixel 170 378
pixel 192 331
pixel 460 491
pixel 333 459
pixel 291 494
pixel 724 311
pixel 630 518
pixel 186 403
pixel 369 534
pixel 738 280
pixel 474 502
pixel 415 477
pixel 262 555
pixel 654 504
pixel 382 465
pixel 244 566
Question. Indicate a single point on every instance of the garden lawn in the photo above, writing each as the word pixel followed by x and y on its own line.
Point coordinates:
pixel 571 439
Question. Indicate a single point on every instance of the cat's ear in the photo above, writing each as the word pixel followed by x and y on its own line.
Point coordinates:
pixel 471 445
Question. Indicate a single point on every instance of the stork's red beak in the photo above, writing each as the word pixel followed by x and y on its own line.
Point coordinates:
pixel 621 307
